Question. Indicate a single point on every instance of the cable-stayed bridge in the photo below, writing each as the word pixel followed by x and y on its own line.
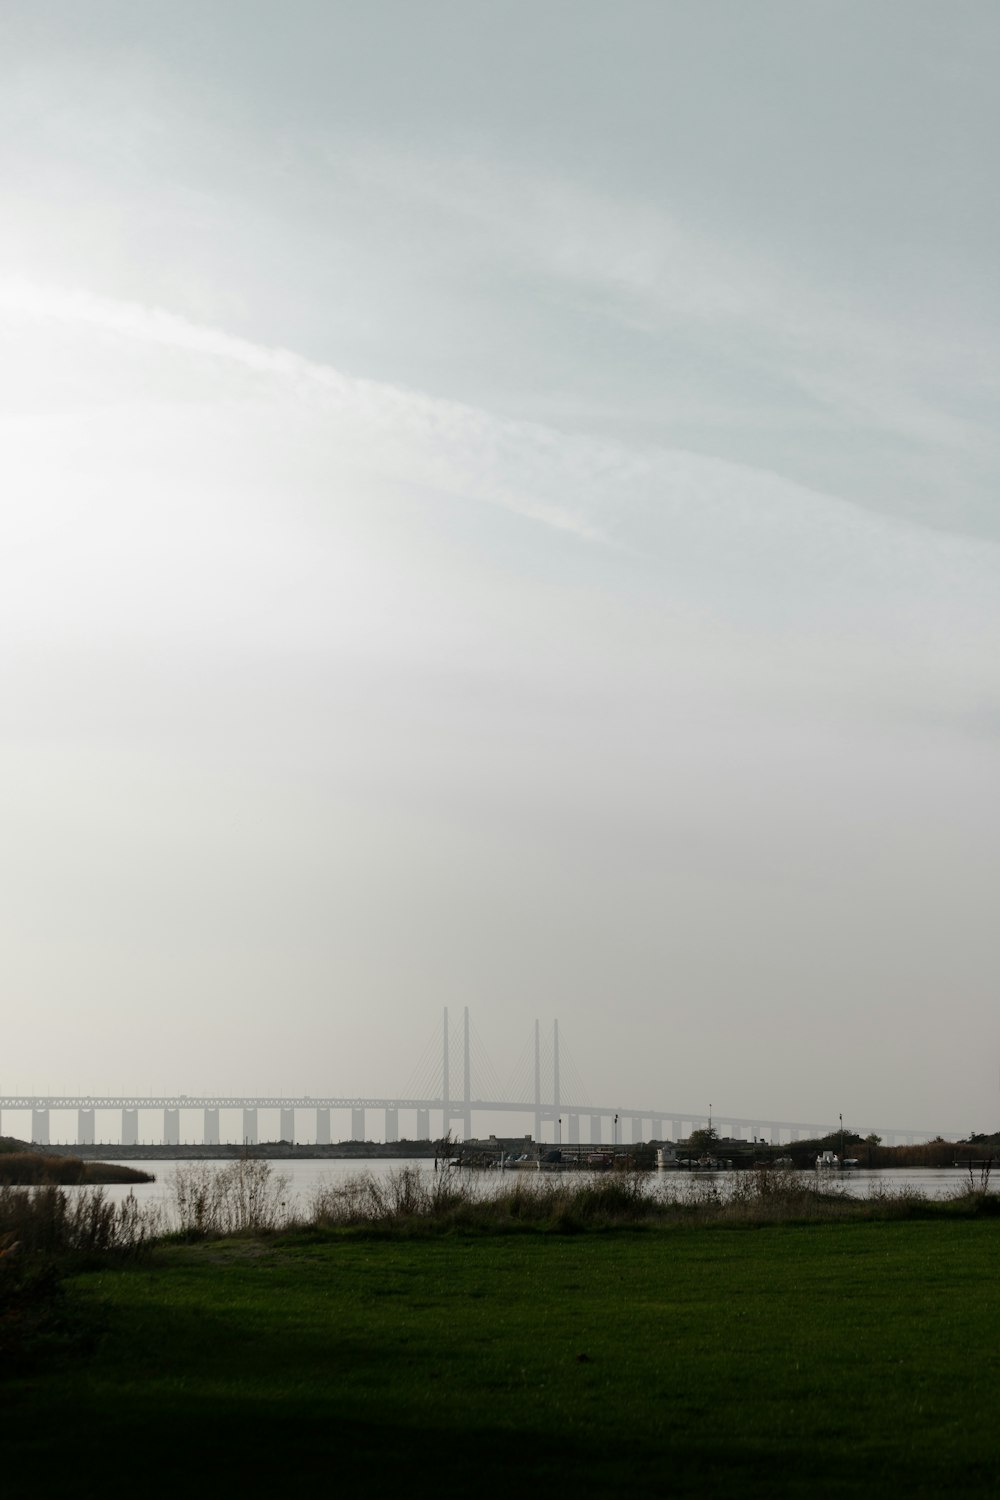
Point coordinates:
pixel 452 1101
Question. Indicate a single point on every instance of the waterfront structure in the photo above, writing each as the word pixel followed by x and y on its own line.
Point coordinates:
pixel 600 1123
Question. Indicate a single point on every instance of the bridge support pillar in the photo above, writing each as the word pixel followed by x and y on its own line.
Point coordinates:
pixel 287 1131
pixel 656 1129
pixel 171 1127
pixel 40 1127
pixel 423 1124
pixel 392 1124
pixel 636 1131
pixel 85 1127
pixel 322 1127
pixel 210 1127
pixel 574 1130
pixel 357 1125
pixel 595 1130
pixel 130 1127
pixel 249 1127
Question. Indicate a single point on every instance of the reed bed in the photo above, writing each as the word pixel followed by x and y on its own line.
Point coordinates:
pixel 409 1201
pixel 36 1169
pixel 45 1221
pixel 246 1196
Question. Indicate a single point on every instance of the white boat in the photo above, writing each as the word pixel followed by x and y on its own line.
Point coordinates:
pixel 829 1161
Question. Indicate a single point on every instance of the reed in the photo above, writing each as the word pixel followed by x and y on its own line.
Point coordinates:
pixel 408 1202
pixel 47 1222
pixel 38 1169
pixel 245 1196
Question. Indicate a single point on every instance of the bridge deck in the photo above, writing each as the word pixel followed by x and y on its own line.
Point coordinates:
pixel 457 1109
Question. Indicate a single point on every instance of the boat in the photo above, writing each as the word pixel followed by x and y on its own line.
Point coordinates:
pixel 705 1163
pixel 829 1161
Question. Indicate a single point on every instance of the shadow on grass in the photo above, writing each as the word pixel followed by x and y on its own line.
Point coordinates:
pixel 229 1445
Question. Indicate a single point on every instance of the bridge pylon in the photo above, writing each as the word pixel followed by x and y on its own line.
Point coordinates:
pixel 451 1109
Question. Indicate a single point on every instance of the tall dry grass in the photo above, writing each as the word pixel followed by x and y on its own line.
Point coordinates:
pixel 46 1221
pixel 45 1232
pixel 36 1169
pixel 245 1196
pixel 32 1168
pixel 410 1201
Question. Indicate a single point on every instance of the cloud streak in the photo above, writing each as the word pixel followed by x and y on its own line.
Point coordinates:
pixel 735 554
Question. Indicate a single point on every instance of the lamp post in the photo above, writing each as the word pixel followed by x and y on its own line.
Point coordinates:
pixel 559 1132
pixel 614 1133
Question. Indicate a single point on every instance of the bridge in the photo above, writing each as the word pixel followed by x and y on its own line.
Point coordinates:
pixel 549 1114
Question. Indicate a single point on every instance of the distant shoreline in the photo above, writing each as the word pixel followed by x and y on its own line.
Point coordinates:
pixel 271 1150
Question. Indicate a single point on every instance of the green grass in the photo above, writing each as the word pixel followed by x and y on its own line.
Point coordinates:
pixel 820 1360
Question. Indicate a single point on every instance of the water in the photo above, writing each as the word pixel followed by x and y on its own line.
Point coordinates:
pixel 933 1182
pixel 865 1182
pixel 305 1176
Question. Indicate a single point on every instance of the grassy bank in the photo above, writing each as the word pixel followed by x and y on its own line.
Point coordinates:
pixel 800 1359
pixel 33 1169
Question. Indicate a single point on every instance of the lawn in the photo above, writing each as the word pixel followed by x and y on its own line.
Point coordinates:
pixel 822 1360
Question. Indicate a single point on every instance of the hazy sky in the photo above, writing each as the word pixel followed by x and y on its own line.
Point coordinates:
pixel 498 506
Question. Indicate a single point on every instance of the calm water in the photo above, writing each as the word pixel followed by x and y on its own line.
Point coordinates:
pixel 306 1176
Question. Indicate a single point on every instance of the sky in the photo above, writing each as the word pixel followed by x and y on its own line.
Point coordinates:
pixel 498 507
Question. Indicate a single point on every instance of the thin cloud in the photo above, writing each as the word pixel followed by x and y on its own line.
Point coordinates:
pixel 645 266
pixel 379 408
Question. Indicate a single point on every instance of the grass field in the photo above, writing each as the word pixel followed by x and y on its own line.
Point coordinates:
pixel 830 1359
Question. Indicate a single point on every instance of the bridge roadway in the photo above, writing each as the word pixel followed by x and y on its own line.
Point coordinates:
pixel 604 1124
